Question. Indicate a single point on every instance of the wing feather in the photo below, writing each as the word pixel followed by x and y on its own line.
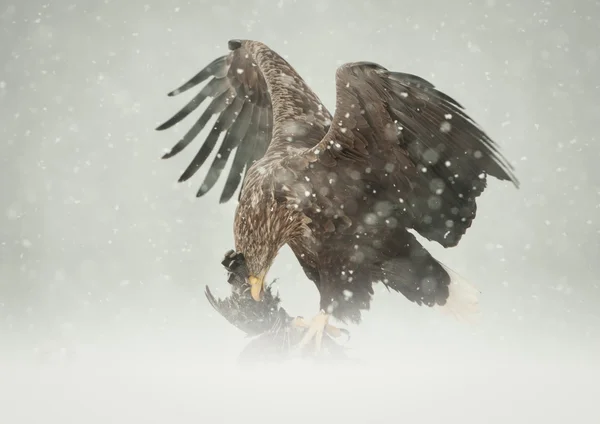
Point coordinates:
pixel 223 122
pixel 217 105
pixel 396 141
pixel 231 141
pixel 240 161
pixel 257 97
pixel 215 69
pixel 214 88
pixel 239 96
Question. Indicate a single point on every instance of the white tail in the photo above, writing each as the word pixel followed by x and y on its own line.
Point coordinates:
pixel 463 301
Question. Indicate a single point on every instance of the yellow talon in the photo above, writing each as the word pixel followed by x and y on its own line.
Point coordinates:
pixel 331 330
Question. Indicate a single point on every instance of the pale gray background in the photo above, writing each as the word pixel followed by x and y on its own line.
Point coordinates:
pixel 104 257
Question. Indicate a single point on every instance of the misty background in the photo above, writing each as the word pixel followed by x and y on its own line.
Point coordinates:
pixel 104 256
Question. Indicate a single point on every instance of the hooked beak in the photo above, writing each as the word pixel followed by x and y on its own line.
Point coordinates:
pixel 256 286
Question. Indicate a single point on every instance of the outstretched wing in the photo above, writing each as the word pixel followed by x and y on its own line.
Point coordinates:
pixel 398 153
pixel 256 95
pixel 240 100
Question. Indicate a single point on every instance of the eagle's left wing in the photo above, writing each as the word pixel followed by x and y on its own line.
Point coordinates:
pixel 399 145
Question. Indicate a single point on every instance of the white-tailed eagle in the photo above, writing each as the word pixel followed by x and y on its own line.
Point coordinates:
pixel 342 191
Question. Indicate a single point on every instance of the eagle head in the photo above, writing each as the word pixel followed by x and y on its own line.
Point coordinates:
pixel 262 226
pixel 261 229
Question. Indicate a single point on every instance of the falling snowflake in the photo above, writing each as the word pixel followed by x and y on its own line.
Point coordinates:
pixel 445 127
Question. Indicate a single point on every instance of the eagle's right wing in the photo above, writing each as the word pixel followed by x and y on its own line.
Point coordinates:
pixel 241 101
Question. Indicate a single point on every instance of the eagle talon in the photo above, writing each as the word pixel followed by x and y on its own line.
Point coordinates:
pixel 316 329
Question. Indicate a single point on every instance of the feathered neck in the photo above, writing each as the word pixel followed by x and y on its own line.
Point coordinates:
pixel 262 226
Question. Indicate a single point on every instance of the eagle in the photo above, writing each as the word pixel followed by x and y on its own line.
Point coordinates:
pixel 347 191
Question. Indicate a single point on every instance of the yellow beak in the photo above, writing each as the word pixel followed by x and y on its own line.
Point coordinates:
pixel 256 286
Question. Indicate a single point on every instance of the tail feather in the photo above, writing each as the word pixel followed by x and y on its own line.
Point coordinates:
pixel 463 298
pixel 411 270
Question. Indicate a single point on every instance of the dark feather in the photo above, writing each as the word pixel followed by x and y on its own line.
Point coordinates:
pixel 429 159
pixel 240 77
pixel 245 313
pixel 216 69
pixel 242 159
pixel 274 338
pixel 398 155
pixel 224 121
pixel 342 191
pixel 240 96
pixel 214 88
pixel 232 139
pixel 216 106
pixel 240 309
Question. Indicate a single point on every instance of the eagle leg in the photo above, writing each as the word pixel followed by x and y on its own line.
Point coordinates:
pixel 315 329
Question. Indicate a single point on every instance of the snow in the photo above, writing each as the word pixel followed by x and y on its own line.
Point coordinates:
pixel 80 89
pixel 146 387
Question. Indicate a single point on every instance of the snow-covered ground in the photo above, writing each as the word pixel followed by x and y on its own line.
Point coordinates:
pixel 408 380
pixel 146 387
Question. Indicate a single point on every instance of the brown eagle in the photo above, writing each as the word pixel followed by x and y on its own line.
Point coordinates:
pixel 342 191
